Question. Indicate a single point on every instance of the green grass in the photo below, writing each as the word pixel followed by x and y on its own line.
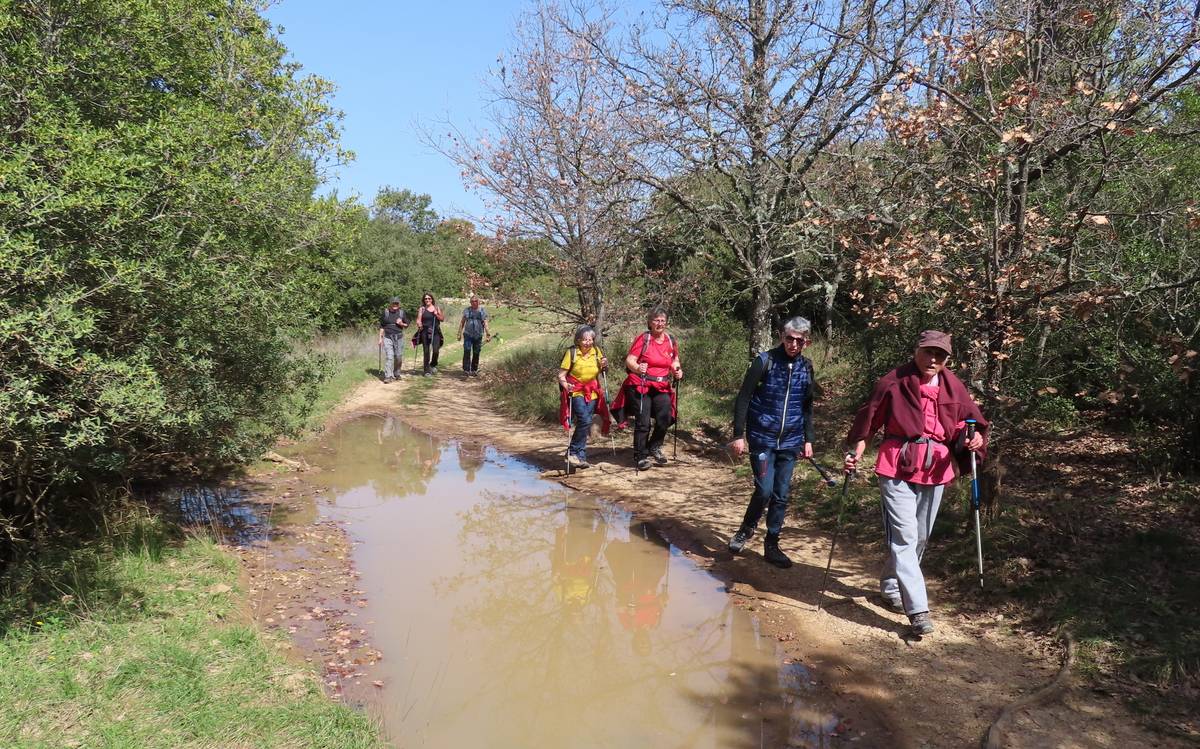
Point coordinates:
pixel 523 384
pixel 352 357
pixel 141 645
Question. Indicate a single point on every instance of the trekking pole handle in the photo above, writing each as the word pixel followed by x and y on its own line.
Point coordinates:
pixel 974 476
pixel 829 480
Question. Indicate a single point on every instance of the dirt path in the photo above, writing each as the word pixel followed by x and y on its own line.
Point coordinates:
pixel 943 691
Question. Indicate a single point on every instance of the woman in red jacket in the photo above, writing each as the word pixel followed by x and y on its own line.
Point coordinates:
pixel 647 394
pixel 922 409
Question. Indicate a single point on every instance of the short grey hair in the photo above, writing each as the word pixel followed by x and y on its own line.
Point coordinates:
pixel 797 325
pixel 655 312
pixel 583 330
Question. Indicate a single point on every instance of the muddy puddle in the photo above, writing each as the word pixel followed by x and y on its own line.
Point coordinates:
pixel 511 612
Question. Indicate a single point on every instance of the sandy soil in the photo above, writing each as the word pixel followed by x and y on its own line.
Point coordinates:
pixel 942 691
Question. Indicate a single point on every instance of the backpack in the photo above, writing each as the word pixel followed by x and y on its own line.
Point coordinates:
pixel 473 318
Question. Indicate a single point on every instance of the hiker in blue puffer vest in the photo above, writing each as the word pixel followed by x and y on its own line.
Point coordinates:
pixel 773 413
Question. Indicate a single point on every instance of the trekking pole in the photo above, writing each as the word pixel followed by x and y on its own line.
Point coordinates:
pixel 381 357
pixel 675 426
pixel 829 480
pixel 637 425
pixel 836 529
pixel 975 501
pixel 567 454
pixel 612 439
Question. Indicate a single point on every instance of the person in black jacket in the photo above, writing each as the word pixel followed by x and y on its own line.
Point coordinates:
pixel 773 417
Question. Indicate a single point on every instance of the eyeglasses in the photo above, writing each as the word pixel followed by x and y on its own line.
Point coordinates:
pixel 795 340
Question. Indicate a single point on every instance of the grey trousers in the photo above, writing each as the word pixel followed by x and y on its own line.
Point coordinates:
pixel 908 513
pixel 393 356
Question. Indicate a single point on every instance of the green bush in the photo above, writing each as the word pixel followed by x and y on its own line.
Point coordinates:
pixel 160 248
pixel 714 356
pixel 524 384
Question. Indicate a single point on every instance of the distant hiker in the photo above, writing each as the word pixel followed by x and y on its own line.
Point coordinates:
pixel 392 323
pixel 581 396
pixel 773 416
pixel 473 331
pixel 429 334
pixel 652 361
pixel 922 409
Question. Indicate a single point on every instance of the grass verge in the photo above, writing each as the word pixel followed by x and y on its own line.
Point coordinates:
pixel 142 645
pixel 351 357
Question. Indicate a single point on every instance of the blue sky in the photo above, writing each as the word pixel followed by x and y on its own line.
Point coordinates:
pixel 396 64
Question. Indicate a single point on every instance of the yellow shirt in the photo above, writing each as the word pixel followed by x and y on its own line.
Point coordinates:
pixel 586 367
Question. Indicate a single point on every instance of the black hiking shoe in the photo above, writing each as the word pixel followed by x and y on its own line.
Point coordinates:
pixel 738 542
pixel 658 456
pixel 773 554
pixel 920 624
pixel 643 464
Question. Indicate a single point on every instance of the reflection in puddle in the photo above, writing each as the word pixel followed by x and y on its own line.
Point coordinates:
pixel 513 613
pixel 223 511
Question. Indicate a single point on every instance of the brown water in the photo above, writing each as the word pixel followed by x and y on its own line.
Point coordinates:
pixel 514 613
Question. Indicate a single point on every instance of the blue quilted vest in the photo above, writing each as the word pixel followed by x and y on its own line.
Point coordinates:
pixel 776 414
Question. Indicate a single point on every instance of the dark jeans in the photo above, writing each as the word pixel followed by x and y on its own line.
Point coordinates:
pixel 582 410
pixel 656 405
pixel 471 346
pixel 429 342
pixel 772 484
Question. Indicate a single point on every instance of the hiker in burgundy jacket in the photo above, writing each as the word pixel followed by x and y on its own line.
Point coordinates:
pixel 922 409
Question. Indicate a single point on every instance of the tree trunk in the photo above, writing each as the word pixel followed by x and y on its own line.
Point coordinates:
pixel 831 288
pixel 587 304
pixel 601 309
pixel 760 319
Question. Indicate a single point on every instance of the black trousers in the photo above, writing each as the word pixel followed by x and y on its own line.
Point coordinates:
pixel 654 405
pixel 431 342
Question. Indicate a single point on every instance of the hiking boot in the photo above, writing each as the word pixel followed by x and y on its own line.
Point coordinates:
pixel 582 464
pixel 428 373
pixel 774 555
pixel 895 603
pixel 433 369
pixel 658 456
pixel 386 380
pixel 574 461
pixel 738 542
pixel 920 624
pixel 644 464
